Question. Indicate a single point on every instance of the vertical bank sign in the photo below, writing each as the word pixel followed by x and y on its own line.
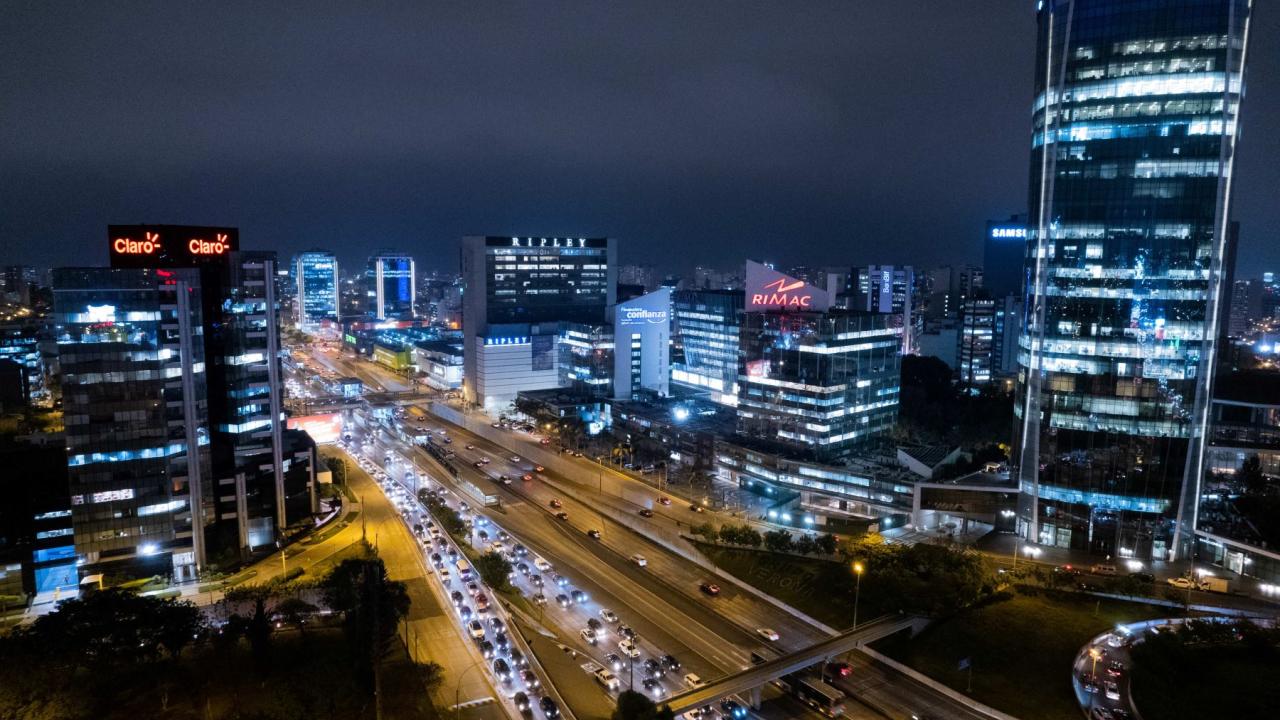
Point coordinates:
pixel 169 245
pixel 768 289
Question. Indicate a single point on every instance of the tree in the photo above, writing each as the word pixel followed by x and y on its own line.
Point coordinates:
pixel 371 605
pixel 778 541
pixel 338 467
pixel 633 705
pixel 706 530
pixel 805 545
pixel 750 537
pixel 494 569
pixel 826 543
pixel 295 611
pixel 729 533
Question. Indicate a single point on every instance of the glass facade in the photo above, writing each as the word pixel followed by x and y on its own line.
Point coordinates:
pixel 889 289
pixel 316 274
pixel 975 340
pixel 137 424
pixel 21 344
pixel 705 341
pixel 1134 127
pixel 817 384
pixel 392 287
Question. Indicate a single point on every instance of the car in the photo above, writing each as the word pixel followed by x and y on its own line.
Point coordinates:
pixel 544 441
pixel 732 709
pixel 529 678
pixel 549 708
pixel 517 659
pixel 692 681
pixel 614 661
pixel 593 534
pixel 653 667
pixel 653 687
pixel 476 629
pixel 646 512
pixel 502 669
pixel 487 649
pixel 839 669
pixel 626 632
pixel 501 640
pixel 1111 690
pixel 1182 583
pixel 541 564
pixel 473 588
pixel 629 649
pixel 711 589
pixel 535 580
pixel 563 600
pixel 768 634
pixel 471 447
pixel 670 662
pixel 482 603
pixel 664 500
pixel 695 507
pixel 515 458
pixel 522 568
pixel 562 516
pixel 559 580
pixel 526 477
pixel 497 624
pixel 477 464
pixel 639 560
pixel 520 550
pixel 589 636
pixel 1115 668
pixel 1088 683
pixel 1145 577
pixel 579 596
pixel 456 597
pixel 605 677
pixel 595 625
pixel 608 615
pixel 538 468
pixel 1102 713
pixel 522 703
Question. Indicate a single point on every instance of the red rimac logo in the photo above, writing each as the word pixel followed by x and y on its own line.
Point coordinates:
pixel 777 294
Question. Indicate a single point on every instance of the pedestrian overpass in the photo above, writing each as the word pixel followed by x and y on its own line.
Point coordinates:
pixel 751 680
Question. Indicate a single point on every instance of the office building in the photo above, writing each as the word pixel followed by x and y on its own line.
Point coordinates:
pixel 1005 333
pixel 642 346
pixel 130 343
pixel 1134 126
pixel 1003 248
pixel 813 381
pixel 975 341
pixel 391 286
pixel 519 292
pixel 586 359
pixel 889 289
pixel 315 275
pixel 441 362
pixel 20 344
pixel 705 328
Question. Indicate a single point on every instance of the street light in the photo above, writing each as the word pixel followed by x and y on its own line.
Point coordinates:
pixel 857 594
pixel 457 690
pixel 1096 654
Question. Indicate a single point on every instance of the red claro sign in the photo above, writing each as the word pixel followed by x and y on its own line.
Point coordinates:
pixel 178 245
pixel 778 294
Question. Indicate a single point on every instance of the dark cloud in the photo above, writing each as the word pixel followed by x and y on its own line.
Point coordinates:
pixel 696 132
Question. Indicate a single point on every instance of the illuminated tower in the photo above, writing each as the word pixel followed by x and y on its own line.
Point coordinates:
pixel 1134 127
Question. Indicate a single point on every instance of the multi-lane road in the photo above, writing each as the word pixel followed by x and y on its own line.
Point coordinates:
pixel 711 635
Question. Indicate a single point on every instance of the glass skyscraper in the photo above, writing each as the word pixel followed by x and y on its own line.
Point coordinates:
pixel 1135 120
pixel 705 335
pixel 316 273
pixel 392 286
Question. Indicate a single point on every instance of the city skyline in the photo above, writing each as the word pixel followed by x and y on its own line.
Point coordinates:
pixel 828 132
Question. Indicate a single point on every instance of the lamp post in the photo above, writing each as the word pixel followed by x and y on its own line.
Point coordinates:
pixel 457 690
pixel 857 593
pixel 1096 654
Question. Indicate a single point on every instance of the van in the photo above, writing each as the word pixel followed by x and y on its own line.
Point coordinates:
pixel 1104 570
pixel 692 681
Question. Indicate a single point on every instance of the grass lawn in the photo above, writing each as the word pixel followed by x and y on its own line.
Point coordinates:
pixel 1226 682
pixel 1021 647
pixel 821 589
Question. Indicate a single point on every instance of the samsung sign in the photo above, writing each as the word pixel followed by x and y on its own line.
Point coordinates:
pixel 1009 233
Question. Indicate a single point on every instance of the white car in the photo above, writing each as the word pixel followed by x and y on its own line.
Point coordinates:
pixel 692 681
pixel 768 634
pixel 629 649
pixel 639 560
pixel 1182 583
pixel 541 564
pixel 608 615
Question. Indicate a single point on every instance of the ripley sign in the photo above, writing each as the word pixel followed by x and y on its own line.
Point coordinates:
pixel 768 289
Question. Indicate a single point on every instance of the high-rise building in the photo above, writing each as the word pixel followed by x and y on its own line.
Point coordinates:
pixel 975 340
pixel 1003 248
pixel 1135 120
pixel 315 273
pixel 1007 328
pixel 131 347
pixel 889 289
pixel 642 275
pixel 812 380
pixel 642 346
pixel 20 344
pixel 705 342
pixel 391 285
pixel 519 290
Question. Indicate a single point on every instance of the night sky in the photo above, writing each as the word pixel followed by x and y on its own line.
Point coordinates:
pixel 817 133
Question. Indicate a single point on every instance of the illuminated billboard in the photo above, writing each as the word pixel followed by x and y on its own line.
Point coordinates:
pixel 767 289
pixel 170 245
pixel 323 429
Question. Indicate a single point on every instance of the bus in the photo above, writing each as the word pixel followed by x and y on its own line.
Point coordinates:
pixel 815 693
pixel 464 570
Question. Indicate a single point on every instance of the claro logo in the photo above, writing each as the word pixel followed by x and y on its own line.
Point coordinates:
pixel 217 246
pixel 779 295
pixel 148 245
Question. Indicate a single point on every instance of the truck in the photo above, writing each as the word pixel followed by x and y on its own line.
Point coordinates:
pixel 1211 583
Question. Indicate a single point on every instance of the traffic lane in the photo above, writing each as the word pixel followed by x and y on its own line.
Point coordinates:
pixel 897 694
pixel 402 555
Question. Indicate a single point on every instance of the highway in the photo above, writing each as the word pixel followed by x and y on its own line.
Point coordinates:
pixel 711 635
